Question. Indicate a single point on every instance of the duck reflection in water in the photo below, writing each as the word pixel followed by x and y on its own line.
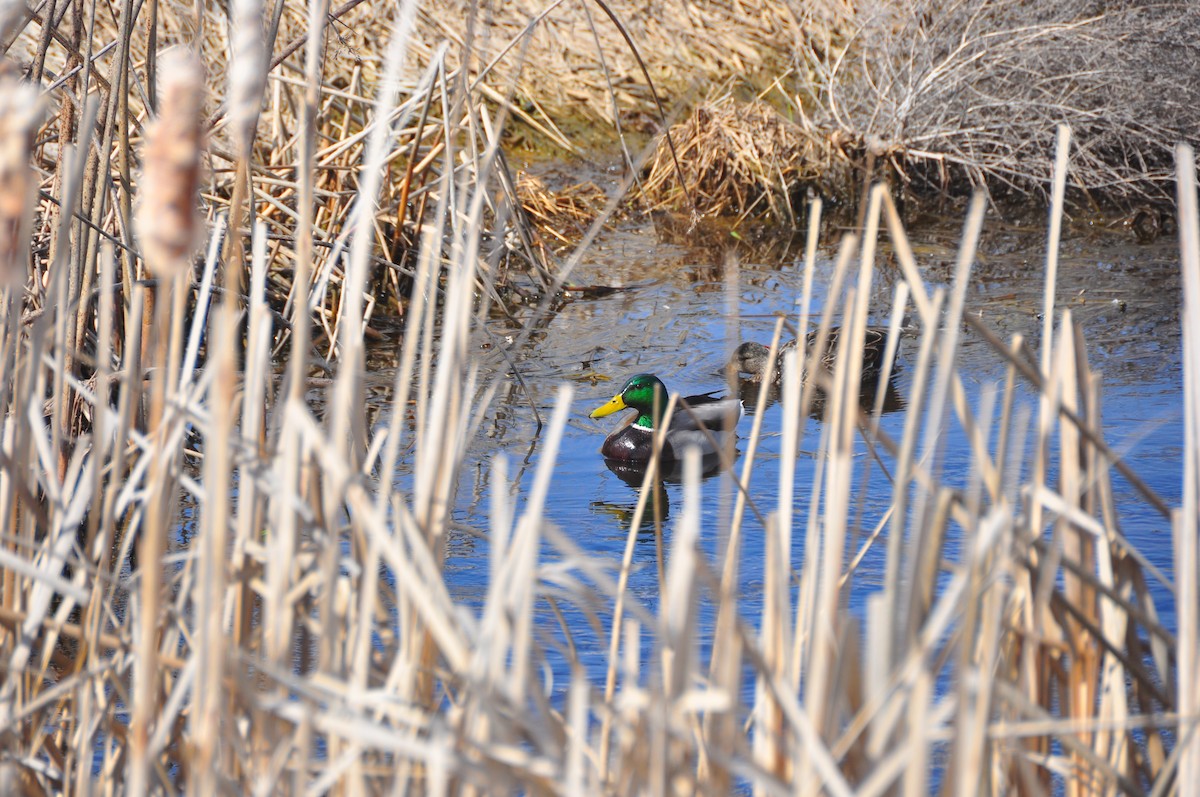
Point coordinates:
pixel 658 506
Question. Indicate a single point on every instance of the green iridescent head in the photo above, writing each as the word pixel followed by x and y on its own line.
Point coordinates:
pixel 644 393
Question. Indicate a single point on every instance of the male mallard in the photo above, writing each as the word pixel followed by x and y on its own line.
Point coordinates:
pixel 645 393
pixel 750 358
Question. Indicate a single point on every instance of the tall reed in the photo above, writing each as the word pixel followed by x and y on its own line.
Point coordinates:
pixel 209 583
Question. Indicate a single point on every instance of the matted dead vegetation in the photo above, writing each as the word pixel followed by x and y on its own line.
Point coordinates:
pixel 942 96
pixel 563 213
pixel 553 70
pixel 972 90
pixel 738 158
pixel 578 61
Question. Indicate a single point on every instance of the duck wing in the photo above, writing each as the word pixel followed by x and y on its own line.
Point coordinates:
pixel 874 343
pixel 715 413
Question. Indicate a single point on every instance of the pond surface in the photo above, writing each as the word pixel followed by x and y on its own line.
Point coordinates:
pixel 683 314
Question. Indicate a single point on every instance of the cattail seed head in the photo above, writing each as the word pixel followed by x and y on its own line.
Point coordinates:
pixel 247 72
pixel 20 112
pixel 168 223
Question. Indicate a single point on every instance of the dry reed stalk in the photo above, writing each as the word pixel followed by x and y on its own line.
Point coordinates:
pixel 933 443
pixel 826 602
pixel 677 629
pixel 278 610
pixel 168 224
pixel 618 622
pixel 29 585
pixel 895 324
pixel 208 717
pixel 792 431
pixel 1062 153
pixel 1184 524
pixel 773 750
pixel 350 321
pixel 806 599
pixel 779 644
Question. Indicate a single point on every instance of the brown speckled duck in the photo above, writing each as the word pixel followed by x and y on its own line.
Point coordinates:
pixel 750 358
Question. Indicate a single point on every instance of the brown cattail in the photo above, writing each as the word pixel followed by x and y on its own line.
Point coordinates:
pixel 168 224
pixel 247 72
pixel 20 112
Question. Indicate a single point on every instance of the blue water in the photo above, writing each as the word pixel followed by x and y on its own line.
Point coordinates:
pixel 678 321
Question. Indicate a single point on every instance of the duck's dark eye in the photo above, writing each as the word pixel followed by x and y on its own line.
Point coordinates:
pixel 639 382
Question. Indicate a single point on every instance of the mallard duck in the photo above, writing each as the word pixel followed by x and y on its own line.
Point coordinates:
pixel 750 358
pixel 634 442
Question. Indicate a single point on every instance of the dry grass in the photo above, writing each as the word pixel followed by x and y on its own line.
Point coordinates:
pixel 947 91
pixel 940 97
pixel 739 159
pixel 207 587
pixel 565 213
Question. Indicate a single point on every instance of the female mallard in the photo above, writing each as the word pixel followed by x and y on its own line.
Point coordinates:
pixel 750 359
pixel 691 422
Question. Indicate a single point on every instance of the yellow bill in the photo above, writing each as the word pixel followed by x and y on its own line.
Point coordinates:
pixel 614 404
